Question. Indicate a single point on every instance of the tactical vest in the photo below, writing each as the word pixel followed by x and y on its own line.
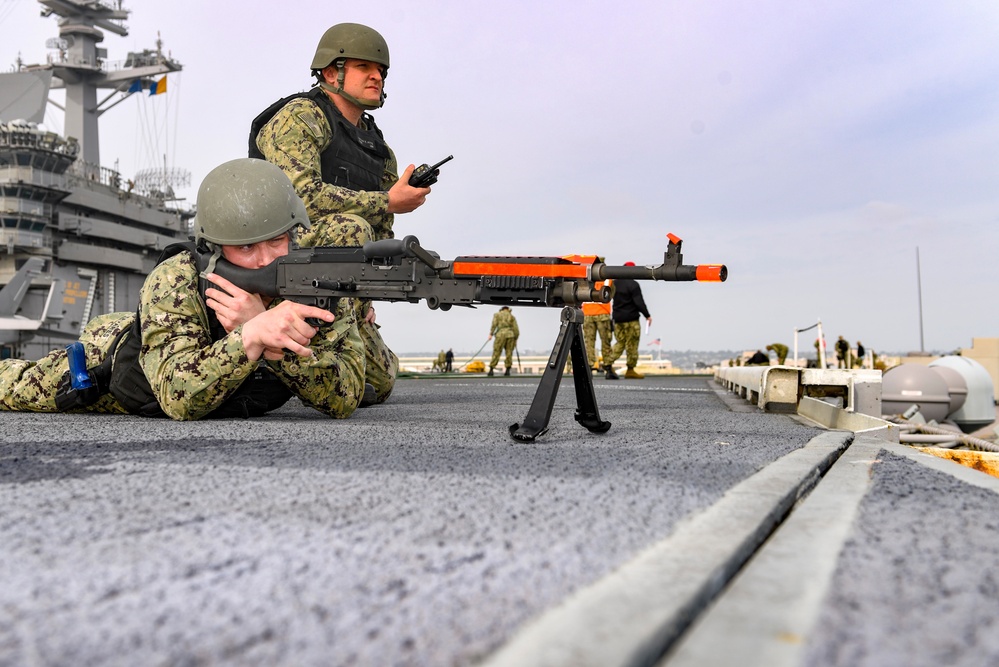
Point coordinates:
pixel 355 157
pixel 261 392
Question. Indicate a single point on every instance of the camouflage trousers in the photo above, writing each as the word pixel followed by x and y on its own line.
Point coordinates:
pixel 381 365
pixel 30 386
pixel 628 335
pixel 503 344
pixel 592 325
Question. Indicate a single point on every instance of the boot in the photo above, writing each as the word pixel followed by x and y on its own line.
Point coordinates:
pixel 609 373
pixel 632 374
pixel 370 396
pixel 506 373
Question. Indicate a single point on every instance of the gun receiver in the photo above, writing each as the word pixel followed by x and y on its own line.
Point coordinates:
pixel 402 270
pixel 424 176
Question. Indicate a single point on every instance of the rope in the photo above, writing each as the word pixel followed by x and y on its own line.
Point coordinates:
pixel 472 358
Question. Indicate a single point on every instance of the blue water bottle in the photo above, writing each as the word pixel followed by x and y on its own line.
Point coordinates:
pixel 79 378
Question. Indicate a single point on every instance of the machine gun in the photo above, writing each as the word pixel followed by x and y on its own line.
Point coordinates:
pixel 402 270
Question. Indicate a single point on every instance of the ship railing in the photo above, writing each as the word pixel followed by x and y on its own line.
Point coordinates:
pixel 12 240
pixel 848 399
pixel 92 173
pixel 95 228
pixel 96 174
pixel 32 176
pixel 65 60
pixel 107 66
pixel 15 206
pixel 28 135
pixel 147 58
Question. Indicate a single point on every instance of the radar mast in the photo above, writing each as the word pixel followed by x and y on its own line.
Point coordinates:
pixel 80 66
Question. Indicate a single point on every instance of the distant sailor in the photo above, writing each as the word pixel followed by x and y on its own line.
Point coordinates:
pixel 504 328
pixel 842 353
pixel 628 307
pixel 780 350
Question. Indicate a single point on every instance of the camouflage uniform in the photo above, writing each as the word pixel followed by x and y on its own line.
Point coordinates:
pixel 189 374
pixel 294 140
pixel 628 307
pixel 30 386
pixel 842 353
pixel 780 350
pixel 597 319
pixel 505 333
pixel 628 335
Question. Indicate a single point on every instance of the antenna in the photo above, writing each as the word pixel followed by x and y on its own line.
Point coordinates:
pixel 161 182
pixel 919 292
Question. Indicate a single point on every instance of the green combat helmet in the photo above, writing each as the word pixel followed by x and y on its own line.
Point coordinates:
pixel 350 40
pixel 245 201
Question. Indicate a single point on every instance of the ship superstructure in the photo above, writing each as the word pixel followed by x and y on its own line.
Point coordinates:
pixel 97 233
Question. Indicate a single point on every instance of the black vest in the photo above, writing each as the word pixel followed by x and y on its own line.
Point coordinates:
pixel 355 158
pixel 261 392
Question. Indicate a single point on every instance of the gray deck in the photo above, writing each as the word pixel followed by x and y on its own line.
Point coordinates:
pixel 418 532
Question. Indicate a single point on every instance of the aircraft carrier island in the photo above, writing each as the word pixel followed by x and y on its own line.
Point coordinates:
pixel 76 238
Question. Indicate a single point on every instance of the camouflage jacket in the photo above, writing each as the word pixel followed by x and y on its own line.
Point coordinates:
pixel 191 375
pixel 505 325
pixel 294 140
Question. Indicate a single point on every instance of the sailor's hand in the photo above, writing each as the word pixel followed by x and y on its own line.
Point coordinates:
pixel 273 355
pixel 283 327
pixel 369 316
pixel 232 305
pixel 403 197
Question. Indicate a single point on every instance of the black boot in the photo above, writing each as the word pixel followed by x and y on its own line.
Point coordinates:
pixel 609 373
pixel 506 373
pixel 490 374
pixel 370 396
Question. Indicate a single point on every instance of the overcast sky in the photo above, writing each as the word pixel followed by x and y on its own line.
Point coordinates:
pixel 810 146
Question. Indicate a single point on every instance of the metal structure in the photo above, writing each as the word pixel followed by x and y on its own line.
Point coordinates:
pixel 98 234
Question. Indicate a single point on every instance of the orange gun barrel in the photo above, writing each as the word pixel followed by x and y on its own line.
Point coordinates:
pixel 712 273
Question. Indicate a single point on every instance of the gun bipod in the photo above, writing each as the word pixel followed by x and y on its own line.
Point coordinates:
pixel 569 342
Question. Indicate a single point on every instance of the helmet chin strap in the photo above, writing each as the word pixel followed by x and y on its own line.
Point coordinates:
pixel 338 90
pixel 216 256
